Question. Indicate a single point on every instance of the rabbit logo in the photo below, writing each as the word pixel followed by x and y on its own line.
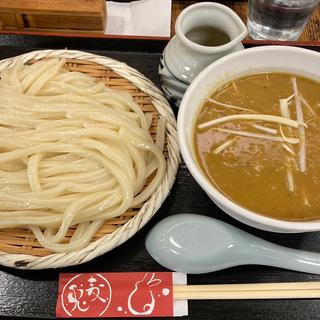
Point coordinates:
pixel 142 294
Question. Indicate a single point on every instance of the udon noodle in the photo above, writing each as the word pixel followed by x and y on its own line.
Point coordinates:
pixel 73 153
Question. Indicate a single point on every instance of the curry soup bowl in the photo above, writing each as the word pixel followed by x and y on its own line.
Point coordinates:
pixel 261 59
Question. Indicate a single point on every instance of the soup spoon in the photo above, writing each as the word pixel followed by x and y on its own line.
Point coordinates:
pixel 192 243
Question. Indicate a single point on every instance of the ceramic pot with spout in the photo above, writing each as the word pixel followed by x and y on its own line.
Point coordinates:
pixel 183 58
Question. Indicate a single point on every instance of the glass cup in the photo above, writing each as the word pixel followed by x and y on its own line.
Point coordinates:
pixel 279 19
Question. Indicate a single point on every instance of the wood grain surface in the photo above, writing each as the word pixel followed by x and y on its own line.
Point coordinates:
pixel 310 33
pixel 57 15
pixel 65 7
pixel 32 294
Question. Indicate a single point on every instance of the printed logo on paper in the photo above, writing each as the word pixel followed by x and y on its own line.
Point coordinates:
pixel 135 294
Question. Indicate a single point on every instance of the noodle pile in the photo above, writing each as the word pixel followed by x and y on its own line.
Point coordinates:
pixel 73 153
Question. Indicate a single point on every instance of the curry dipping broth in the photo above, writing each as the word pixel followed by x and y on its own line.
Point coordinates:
pixel 265 166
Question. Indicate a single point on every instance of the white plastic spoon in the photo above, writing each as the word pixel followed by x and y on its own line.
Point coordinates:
pixel 193 243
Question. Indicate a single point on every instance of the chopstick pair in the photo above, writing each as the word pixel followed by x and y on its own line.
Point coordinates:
pixel 158 294
pixel 285 290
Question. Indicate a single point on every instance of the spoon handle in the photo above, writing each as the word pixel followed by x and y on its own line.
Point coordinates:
pixel 266 253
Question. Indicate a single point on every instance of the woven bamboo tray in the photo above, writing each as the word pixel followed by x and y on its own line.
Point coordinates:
pixel 18 247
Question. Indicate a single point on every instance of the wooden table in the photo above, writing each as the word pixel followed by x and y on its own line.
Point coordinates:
pixel 311 32
pixel 32 294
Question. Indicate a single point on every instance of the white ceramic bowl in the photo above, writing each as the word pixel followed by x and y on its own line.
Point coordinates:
pixel 268 58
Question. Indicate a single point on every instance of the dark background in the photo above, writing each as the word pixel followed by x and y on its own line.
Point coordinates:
pixel 32 294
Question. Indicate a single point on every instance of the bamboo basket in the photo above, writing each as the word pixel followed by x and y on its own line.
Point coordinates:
pixel 18 247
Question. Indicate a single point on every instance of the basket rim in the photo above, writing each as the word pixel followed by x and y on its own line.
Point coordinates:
pixel 148 209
